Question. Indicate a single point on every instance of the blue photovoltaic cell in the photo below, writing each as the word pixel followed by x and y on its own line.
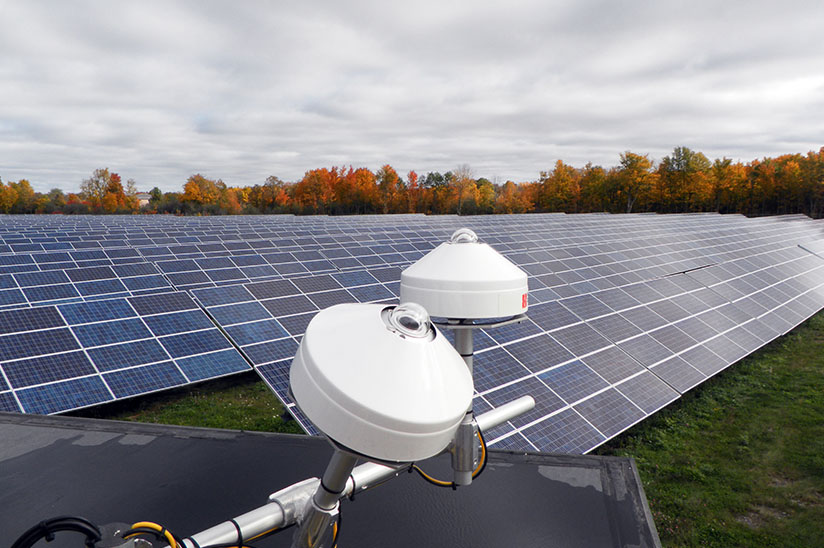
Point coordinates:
pixel 249 260
pixel 513 331
pixel 7 403
pixel 29 319
pixel 573 381
pixel 7 282
pixel 213 365
pixel 613 364
pixel 250 333
pixel 23 345
pixel 87 274
pixel 263 271
pixel 496 367
pixel 285 306
pixel 222 295
pixel 648 392
pixel 178 322
pixel 316 283
pixel 118 356
pixel 351 279
pixel 276 376
pixel 61 396
pixel 111 332
pixel 539 353
pixel 45 369
pixel 370 293
pixel 11 296
pixel 148 378
pixel 50 293
pixel 326 299
pixel 190 279
pixel 96 311
pixel 580 339
pixel 135 269
pixel 100 287
pixel 645 349
pixel 274 288
pixel 239 313
pixel 545 401
pixel 164 302
pixel 49 277
pixel 271 351
pixel 565 432
pixel 296 325
pixel 177 266
pixel 145 282
pixel 551 316
pixel 515 442
pixel 225 274
pixel 609 412
pixel 15 259
pixel 197 342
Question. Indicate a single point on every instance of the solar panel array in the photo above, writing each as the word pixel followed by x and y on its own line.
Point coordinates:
pixel 627 312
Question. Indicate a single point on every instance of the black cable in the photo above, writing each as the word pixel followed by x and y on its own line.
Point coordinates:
pixel 47 528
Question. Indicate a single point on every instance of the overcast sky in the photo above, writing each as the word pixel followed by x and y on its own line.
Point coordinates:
pixel 157 91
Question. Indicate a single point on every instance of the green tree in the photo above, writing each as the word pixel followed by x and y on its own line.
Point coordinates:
pixel 685 179
pixel 633 178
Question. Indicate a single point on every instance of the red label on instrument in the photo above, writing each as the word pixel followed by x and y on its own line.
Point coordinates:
pixel 523 301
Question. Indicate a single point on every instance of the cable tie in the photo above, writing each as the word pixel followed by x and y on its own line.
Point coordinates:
pixel 239 533
pixel 49 534
pixel 330 491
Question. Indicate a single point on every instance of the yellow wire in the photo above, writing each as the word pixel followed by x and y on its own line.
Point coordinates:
pixel 169 536
pixel 474 472
pixel 482 460
pixel 430 478
pixel 264 533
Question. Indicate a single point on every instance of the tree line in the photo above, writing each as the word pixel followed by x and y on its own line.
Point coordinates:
pixel 683 181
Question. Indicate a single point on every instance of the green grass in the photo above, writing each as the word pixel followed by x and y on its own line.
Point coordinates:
pixel 738 461
pixel 240 402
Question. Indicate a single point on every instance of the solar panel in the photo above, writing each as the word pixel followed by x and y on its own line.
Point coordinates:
pixel 57 358
pixel 627 312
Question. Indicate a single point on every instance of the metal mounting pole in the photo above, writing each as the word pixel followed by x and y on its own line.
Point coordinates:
pixel 464 448
pixel 316 527
pixel 464 346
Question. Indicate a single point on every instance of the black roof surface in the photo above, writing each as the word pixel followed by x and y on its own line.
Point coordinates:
pixel 189 479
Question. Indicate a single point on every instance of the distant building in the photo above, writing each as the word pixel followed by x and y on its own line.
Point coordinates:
pixel 143 198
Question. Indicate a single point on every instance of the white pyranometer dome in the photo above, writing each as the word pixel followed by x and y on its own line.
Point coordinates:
pixel 466 279
pixel 381 381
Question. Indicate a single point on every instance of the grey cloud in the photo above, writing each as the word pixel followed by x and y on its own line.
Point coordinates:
pixel 160 90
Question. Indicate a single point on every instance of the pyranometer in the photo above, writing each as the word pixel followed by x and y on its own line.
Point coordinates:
pixel 464 278
pixel 381 381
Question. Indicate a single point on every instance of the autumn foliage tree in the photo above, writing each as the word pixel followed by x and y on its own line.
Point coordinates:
pixel 683 181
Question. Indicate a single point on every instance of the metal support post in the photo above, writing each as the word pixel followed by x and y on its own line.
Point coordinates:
pixel 463 344
pixel 321 512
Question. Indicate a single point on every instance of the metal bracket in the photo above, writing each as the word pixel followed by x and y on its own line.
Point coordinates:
pixel 476 324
